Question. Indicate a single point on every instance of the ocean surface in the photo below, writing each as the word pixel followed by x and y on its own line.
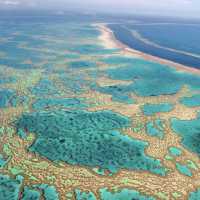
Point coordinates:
pixel 177 41
pixel 80 120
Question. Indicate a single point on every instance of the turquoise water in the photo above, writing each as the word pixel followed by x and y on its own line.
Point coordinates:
pixel 9 98
pixel 194 195
pixel 45 87
pixel 53 64
pixel 82 64
pixel 3 161
pixel 6 96
pixel 118 60
pixel 9 79
pixel 84 195
pixel 174 151
pixel 89 49
pixel 148 79
pixel 192 101
pixel 155 128
pixel 53 103
pixel 183 169
pixel 189 131
pixel 9 188
pixel 16 56
pixel 76 83
pixel 68 135
pixel 105 194
pixel 30 194
pixel 12 188
pixel 119 93
pixel 50 192
pixel 152 109
pixel 123 194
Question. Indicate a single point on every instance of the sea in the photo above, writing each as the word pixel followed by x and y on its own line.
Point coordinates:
pixel 173 39
pixel 176 40
pixel 78 119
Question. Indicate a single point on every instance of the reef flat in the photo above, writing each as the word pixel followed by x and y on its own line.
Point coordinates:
pixel 84 118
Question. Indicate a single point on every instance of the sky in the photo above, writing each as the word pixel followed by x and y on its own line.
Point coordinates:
pixel 182 8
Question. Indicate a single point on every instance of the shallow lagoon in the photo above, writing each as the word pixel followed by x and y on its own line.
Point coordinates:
pixel 67 135
pixel 155 128
pixel 9 98
pixel 148 78
pixel 119 93
pixel 9 188
pixel 189 131
pixel 192 101
pixel 194 195
pixel 123 194
pixel 73 103
pixel 152 109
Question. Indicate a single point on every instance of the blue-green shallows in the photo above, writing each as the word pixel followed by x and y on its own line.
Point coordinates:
pixel 89 139
pixel 99 171
pixel 194 195
pixel 4 80
pixel 119 93
pixel 9 97
pixel 30 194
pixel 44 87
pixel 71 56
pixel 59 103
pixel 75 83
pixel 3 161
pixel 124 194
pixel 183 169
pixel 118 60
pixel 155 128
pixel 191 101
pixel 34 192
pixel 174 151
pixel 84 195
pixel 152 79
pixel 82 64
pixel 5 97
pixel 189 131
pixel 10 188
pixel 92 49
pixel 50 192
pixel 151 109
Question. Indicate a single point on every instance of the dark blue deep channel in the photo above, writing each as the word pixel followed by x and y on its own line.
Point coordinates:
pixel 124 35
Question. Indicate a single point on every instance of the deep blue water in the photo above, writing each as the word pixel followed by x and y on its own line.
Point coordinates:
pixel 177 36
